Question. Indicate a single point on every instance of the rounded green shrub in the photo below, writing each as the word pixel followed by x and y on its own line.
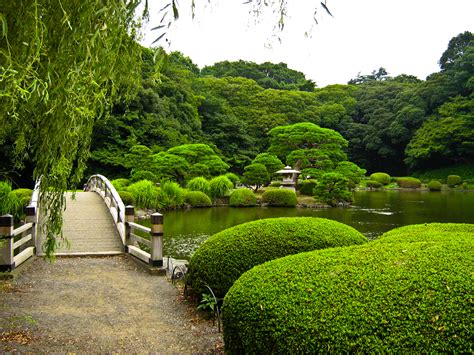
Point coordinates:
pixel 170 195
pixel 453 180
pixel 275 184
pixel 199 183
pixel 234 178
pixel 9 202
pixel 198 199
pixel 408 292
pixel 372 184
pixel 120 184
pixel 24 196
pixel 144 193
pixel 382 178
pixel 306 187
pixel 434 185
pixel 143 175
pixel 280 197
pixel 220 187
pixel 409 182
pixel 242 198
pixel 127 197
pixel 333 189
pixel 221 259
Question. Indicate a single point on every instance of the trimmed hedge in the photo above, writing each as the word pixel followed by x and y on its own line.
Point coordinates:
pixel 127 197
pixel 434 185
pixel 409 182
pixel 280 197
pixel 382 178
pixel 221 259
pixel 24 196
pixel 453 180
pixel 198 199
pixel 120 184
pixel 242 198
pixel 373 184
pixel 306 187
pixel 409 292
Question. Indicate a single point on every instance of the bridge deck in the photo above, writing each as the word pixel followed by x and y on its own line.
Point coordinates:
pixel 89 227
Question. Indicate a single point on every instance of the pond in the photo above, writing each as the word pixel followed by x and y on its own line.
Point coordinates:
pixel 373 213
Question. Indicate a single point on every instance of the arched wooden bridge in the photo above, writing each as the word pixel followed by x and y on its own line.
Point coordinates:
pixel 96 222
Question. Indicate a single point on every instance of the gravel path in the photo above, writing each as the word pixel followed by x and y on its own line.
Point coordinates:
pixel 105 304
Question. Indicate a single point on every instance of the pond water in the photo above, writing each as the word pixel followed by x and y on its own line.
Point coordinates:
pixel 373 213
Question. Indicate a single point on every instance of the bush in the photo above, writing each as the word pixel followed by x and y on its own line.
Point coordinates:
pixel 120 184
pixel 453 180
pixel 255 174
pixel 409 182
pixel 170 195
pixel 234 178
pixel 144 193
pixel 275 184
pixel 221 259
pixel 143 175
pixel 372 184
pixel 408 292
pixel 199 184
pixel 280 197
pixel 306 187
pixel 333 189
pixel 9 202
pixel 220 186
pixel 24 196
pixel 199 169
pixel 382 178
pixel 242 198
pixel 434 185
pixel 464 170
pixel 198 199
pixel 127 197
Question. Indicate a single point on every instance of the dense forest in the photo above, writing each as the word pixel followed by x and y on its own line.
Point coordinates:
pixel 395 124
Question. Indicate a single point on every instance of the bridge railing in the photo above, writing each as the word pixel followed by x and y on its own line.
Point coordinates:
pixel 18 244
pixel 100 184
pixel 148 250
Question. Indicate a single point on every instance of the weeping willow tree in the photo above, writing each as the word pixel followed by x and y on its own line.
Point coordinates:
pixel 62 64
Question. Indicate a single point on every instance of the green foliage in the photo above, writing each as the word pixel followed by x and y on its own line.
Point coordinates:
pixel 202 154
pixel 207 303
pixel 242 198
pixel 24 196
pixel 271 162
pixel 280 198
pixel 138 175
pixel 198 199
pixel 306 187
pixel 199 169
pixel 333 189
pixel 255 174
pixel 9 202
pixel 405 292
pixel 408 182
pixel 127 197
pixel 382 178
pixel 170 195
pixel 90 54
pixel 350 171
pixel 453 180
pixel 434 185
pixel 275 184
pixel 220 187
pixel 199 184
pixel 144 193
pixel 234 178
pixel 464 170
pixel 372 184
pixel 222 258
pixel 120 184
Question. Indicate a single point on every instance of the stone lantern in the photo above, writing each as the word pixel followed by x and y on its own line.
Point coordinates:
pixel 290 176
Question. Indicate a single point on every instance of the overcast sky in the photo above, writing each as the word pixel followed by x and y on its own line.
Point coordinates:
pixel 403 36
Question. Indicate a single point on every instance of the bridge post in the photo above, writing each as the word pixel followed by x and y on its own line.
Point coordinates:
pixel 6 243
pixel 30 212
pixel 156 257
pixel 129 218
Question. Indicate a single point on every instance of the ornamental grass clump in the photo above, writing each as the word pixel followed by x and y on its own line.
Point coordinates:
pixel 407 292
pixel 170 195
pixel 197 199
pixel 408 182
pixel 144 193
pixel 221 259
pixel 242 198
pixel 280 198
pixel 220 187
pixel 382 178
pixel 199 183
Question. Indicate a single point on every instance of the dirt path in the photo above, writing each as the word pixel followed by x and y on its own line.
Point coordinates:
pixel 99 305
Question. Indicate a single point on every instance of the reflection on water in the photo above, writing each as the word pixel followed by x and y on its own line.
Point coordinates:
pixel 373 213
